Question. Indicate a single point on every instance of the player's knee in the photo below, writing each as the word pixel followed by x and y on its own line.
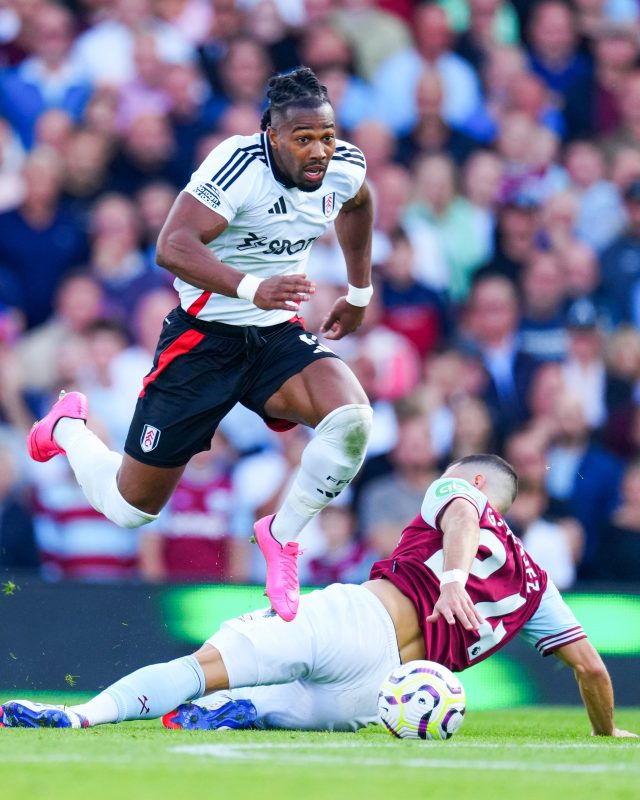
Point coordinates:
pixel 122 513
pixel 350 425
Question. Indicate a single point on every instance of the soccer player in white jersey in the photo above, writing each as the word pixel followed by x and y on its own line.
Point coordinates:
pixel 237 239
pixel 457 588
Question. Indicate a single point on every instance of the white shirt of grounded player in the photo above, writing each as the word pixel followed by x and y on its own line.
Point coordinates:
pixel 271 226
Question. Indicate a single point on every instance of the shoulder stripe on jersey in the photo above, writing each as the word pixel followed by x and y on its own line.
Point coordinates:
pixel 349 149
pixel 238 158
pixel 350 160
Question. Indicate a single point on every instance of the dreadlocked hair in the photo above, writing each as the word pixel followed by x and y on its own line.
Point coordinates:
pixel 300 88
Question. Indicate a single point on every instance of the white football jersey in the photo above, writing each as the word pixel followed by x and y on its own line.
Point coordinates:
pixel 271 226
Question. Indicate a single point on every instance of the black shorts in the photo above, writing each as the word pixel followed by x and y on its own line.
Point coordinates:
pixel 200 371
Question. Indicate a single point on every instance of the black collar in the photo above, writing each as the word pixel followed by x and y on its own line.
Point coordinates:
pixel 277 173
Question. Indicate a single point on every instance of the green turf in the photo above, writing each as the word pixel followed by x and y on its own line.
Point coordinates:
pixel 497 755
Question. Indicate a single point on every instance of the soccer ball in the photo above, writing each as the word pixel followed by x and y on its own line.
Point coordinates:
pixel 421 700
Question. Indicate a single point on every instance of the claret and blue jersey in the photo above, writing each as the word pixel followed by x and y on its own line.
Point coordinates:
pixel 505 583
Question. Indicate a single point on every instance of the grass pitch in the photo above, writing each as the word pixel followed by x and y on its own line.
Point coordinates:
pixel 509 755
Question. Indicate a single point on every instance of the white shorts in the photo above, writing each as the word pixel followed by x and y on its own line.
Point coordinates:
pixel 553 624
pixel 320 672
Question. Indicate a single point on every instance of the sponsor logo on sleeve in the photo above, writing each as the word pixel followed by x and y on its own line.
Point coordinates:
pixel 149 439
pixel 208 193
pixel 451 486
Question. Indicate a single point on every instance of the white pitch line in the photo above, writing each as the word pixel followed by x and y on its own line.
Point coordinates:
pixel 240 752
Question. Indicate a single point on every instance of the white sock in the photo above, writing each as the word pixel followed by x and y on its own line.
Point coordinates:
pixel 147 693
pixel 329 463
pixel 99 710
pixel 96 469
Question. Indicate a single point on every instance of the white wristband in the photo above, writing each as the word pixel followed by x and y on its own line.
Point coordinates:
pixel 454 575
pixel 248 287
pixel 357 296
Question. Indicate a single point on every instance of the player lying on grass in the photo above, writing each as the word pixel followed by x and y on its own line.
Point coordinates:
pixel 457 588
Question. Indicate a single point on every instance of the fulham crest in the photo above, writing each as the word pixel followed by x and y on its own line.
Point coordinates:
pixel 149 439
pixel 328 202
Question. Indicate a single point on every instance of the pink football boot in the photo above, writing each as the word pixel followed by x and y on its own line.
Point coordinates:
pixel 40 442
pixel 283 588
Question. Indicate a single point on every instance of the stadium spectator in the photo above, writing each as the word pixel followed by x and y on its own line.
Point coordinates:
pixel 594 104
pixel 627 132
pixel 516 229
pixel 620 262
pixel 240 72
pixel 193 540
pixel 116 260
pixel 555 544
pixel 344 558
pixel 377 142
pixel 18 548
pixel 457 224
pixel 582 275
pixel 485 24
pixel 77 304
pixel 554 53
pixel 431 134
pixel 53 131
pixel 11 158
pixel 393 189
pixel 481 180
pixel 105 51
pixel 329 54
pixel 192 115
pixel 600 214
pixel 396 79
pixel 584 369
pixel 145 93
pixel 154 202
pixel 147 154
pixel 410 308
pixel 50 78
pixel 542 329
pixel 75 542
pixel 86 158
pixel 39 241
pixel 472 428
pixel 619 552
pixel 373 33
pixel 490 331
pixel 583 478
pixel 386 503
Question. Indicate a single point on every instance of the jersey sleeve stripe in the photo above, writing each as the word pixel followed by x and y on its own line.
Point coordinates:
pixel 235 175
pixel 342 148
pixel 350 160
pixel 548 644
pixel 221 176
pixel 236 154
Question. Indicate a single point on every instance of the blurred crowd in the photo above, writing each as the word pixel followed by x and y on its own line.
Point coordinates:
pixel 503 149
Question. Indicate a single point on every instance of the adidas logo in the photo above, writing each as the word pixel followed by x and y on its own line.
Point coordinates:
pixel 279 208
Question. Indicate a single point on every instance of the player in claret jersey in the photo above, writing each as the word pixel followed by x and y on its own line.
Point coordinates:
pixel 457 588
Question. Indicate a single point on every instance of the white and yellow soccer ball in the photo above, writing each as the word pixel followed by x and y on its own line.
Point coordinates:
pixel 421 700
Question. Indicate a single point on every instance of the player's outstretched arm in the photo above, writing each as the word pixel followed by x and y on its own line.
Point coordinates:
pixel 354 229
pixel 460 528
pixel 182 250
pixel 595 686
